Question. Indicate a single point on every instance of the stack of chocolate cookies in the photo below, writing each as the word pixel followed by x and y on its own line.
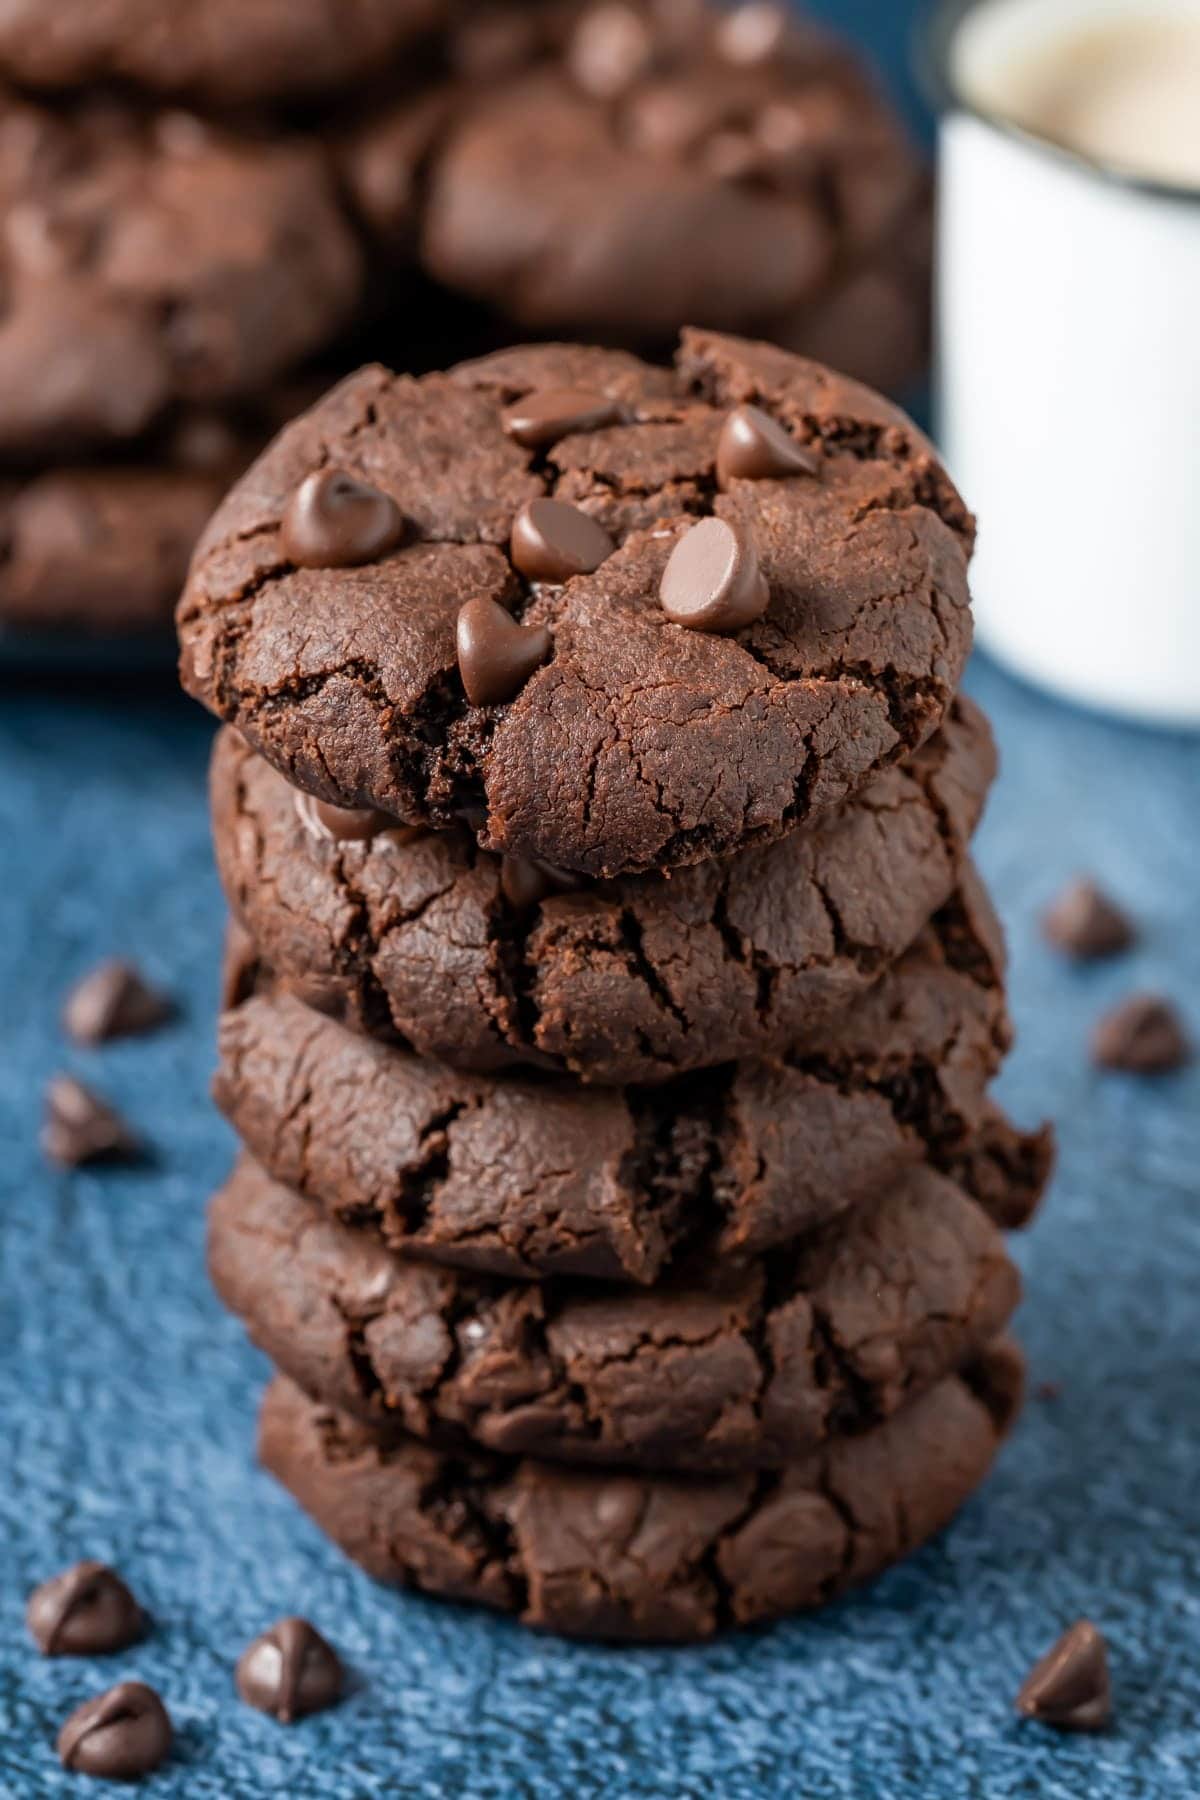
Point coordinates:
pixel 612 1003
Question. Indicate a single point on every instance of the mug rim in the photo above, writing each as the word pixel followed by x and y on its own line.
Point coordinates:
pixel 935 33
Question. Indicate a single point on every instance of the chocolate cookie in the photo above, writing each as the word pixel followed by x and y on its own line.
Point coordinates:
pixel 222 53
pixel 484 964
pixel 722 1368
pixel 151 260
pixel 656 166
pixel 589 1553
pixel 526 1176
pixel 757 647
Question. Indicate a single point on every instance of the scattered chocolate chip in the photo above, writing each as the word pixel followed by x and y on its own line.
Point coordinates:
pixel 543 417
pixel 119 1735
pixel 712 581
pixel 1085 923
pixel 341 824
pixel 113 1001
pixel 335 521
pixel 755 447
pixel 496 655
pixel 79 1127
pixel 1141 1036
pixel 525 883
pixel 552 541
pixel 85 1611
pixel 289 1671
pixel 1069 1687
pixel 753 33
pixel 610 48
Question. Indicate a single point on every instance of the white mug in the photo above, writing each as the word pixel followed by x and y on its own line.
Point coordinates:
pixel 1069 383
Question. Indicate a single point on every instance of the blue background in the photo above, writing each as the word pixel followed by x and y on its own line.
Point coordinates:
pixel 127 1399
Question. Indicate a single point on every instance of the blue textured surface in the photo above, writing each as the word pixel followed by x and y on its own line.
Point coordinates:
pixel 127 1399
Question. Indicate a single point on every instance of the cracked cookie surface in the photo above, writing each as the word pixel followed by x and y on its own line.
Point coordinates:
pixel 590 1553
pixel 635 980
pixel 152 260
pixel 638 744
pixel 720 1369
pixel 528 1176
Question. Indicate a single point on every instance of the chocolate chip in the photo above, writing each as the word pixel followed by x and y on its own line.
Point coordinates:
pixel 341 824
pixel 113 1001
pixel 496 655
pixel 712 581
pixel 79 1127
pixel 1085 923
pixel 753 33
pixel 289 1671
pixel 543 417
pixel 609 49
pixel 119 1735
pixel 1069 1687
pixel 755 447
pixel 335 521
pixel 525 882
pixel 1141 1036
pixel 85 1611
pixel 552 541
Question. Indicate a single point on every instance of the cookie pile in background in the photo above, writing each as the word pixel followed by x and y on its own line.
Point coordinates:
pixel 612 1003
pixel 202 208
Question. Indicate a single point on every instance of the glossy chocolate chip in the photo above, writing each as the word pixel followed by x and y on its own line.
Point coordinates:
pixel 85 1611
pixel 552 541
pixel 525 882
pixel 119 1736
pixel 1084 923
pixel 113 1001
pixel 335 521
pixel 712 581
pixel 289 1671
pixel 1143 1035
pixel 755 447
pixel 544 417
pixel 79 1127
pixel 609 49
pixel 496 655
pixel 341 824
pixel 1069 1687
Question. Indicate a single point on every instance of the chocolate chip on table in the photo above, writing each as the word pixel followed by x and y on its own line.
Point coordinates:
pixel 552 541
pixel 79 1127
pixel 113 1001
pixel 85 1611
pixel 119 1736
pixel 289 1671
pixel 712 581
pixel 1069 1687
pixel 1084 923
pixel 755 447
pixel 335 521
pixel 543 417
pixel 1142 1036
pixel 341 824
pixel 610 48
pixel 496 655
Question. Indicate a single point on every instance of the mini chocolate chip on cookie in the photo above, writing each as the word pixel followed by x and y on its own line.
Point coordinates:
pixel 552 541
pixel 713 581
pixel 119 1736
pixel 755 447
pixel 542 418
pixel 85 1611
pixel 1069 1687
pixel 1142 1036
pixel 496 655
pixel 79 1127
pixel 335 521
pixel 290 1671
pixel 1084 923
pixel 114 1000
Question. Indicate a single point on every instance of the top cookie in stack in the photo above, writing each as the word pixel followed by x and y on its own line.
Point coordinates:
pixel 594 805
